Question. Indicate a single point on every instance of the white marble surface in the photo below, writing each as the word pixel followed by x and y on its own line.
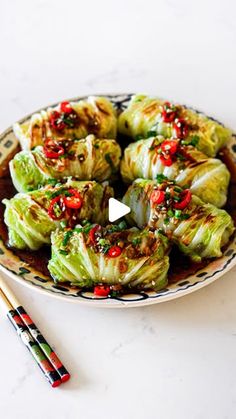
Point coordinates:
pixel 172 361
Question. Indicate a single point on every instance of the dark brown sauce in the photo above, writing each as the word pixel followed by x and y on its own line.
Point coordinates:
pixel 180 266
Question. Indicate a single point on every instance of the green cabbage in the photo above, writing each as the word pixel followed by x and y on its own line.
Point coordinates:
pixel 86 159
pixel 95 115
pixel 200 230
pixel 207 178
pixel 143 263
pixel 143 116
pixel 29 223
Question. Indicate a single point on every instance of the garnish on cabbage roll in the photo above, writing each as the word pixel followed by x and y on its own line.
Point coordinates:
pixel 200 230
pixel 112 255
pixel 180 160
pixel 146 116
pixel 86 159
pixel 31 217
pixel 94 115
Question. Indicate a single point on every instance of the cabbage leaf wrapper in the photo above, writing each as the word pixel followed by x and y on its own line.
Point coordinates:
pixel 200 230
pixel 86 159
pixel 75 119
pixel 32 217
pixel 207 178
pixel 129 258
pixel 144 116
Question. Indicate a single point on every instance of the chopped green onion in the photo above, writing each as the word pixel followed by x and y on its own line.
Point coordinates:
pixel 63 224
pixel 170 212
pixel 194 140
pixel 161 178
pixel 138 137
pixel 110 162
pixel 185 216
pixel 180 157
pixel 136 241
pixel 52 181
pixel 122 225
pixel 178 214
pixel 151 133
pixel 63 252
pixel 177 198
pixel 84 222
pixel 78 229
pixel 67 237
pixel 87 228
pixel 177 189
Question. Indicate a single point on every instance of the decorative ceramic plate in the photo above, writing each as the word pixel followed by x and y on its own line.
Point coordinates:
pixel 18 269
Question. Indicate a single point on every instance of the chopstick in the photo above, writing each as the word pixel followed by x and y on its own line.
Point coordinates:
pixel 39 348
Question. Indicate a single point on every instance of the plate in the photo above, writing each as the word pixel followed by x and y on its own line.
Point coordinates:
pixel 18 270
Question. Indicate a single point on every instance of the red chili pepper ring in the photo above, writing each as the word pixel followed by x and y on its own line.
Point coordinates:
pixel 57 204
pixel 74 201
pixel 52 150
pixel 186 197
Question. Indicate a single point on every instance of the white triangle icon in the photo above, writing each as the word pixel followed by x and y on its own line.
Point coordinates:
pixel 117 209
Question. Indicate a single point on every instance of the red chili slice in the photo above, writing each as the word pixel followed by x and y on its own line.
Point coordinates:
pixel 169 146
pixel 168 112
pixel 66 107
pixel 186 198
pixel 56 121
pixel 181 128
pixel 114 251
pixel 102 290
pixel 157 197
pixel 59 201
pixel 52 150
pixel 166 160
pixel 92 233
pixel 74 201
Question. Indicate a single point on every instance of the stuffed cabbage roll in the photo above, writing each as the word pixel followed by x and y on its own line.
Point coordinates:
pixel 94 115
pixel 207 178
pixel 199 230
pixel 112 256
pixel 87 159
pixel 151 116
pixel 31 217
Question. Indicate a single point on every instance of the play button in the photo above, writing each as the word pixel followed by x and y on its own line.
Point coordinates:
pixel 117 210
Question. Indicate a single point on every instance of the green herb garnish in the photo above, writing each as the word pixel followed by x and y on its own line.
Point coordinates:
pixel 194 140
pixel 185 216
pixel 177 189
pixel 78 229
pixel 136 241
pixel 122 225
pixel 180 157
pixel 178 214
pixel 63 252
pixel 87 228
pixel 52 182
pixel 110 162
pixel 161 178
pixel 151 133
pixel 63 224
pixel 138 137
pixel 170 213
pixel 84 222
pixel 67 237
